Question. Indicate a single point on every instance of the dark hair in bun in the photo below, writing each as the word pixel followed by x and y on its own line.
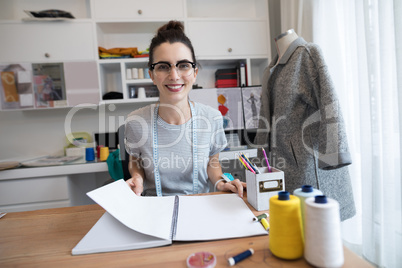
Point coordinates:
pixel 171 32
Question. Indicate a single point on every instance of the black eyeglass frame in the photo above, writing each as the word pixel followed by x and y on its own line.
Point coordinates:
pixel 152 66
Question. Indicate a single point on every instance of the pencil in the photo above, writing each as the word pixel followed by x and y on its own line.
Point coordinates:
pixel 266 159
pixel 249 162
pixel 248 166
pixel 241 161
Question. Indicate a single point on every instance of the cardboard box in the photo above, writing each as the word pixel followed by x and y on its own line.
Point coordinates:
pixel 261 187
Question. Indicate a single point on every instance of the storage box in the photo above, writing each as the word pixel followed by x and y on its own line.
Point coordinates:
pixel 260 187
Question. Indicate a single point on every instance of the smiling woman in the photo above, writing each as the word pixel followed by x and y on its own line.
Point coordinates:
pixel 173 85
pixel 174 145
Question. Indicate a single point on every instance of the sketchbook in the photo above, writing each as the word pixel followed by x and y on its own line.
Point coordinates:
pixel 135 222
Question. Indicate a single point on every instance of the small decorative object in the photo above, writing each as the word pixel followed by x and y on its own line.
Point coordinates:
pixel 49 13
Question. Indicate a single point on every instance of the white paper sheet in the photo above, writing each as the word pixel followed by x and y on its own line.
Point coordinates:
pixel 212 217
pixel 147 215
pixel 108 234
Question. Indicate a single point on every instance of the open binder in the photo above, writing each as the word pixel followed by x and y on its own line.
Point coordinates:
pixel 134 222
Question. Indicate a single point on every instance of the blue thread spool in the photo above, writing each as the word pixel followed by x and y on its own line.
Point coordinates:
pixel 235 259
pixel 89 154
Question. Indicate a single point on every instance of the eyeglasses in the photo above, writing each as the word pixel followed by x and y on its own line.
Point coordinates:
pixel 183 68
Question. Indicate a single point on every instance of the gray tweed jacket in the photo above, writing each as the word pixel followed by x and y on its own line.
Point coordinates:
pixel 301 125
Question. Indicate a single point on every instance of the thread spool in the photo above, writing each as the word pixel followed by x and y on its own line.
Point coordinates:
pixel 128 74
pixel 146 73
pixel 104 153
pixel 132 92
pixel 98 150
pixel 265 223
pixel 141 93
pixel 89 154
pixel 261 216
pixel 134 73
pixel 323 246
pixel 238 258
pixel 140 73
pixel 285 232
pixel 303 193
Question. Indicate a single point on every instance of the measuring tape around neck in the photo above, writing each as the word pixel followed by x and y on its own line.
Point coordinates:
pixel 154 123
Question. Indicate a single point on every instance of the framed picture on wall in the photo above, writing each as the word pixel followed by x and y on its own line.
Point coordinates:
pixel 16 86
pixel 251 106
pixel 49 85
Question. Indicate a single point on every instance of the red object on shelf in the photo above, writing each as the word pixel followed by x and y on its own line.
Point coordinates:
pixel 223 109
pixel 226 83
pixel 142 56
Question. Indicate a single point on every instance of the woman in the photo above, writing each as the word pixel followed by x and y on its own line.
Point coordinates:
pixel 174 145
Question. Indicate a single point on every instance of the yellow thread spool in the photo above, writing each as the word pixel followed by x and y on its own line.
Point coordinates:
pixel 265 223
pixel 104 153
pixel 285 233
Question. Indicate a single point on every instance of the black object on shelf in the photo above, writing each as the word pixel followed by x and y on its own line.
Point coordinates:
pixel 51 13
pixel 113 95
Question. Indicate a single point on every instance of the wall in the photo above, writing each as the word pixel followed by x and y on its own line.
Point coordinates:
pixel 274 23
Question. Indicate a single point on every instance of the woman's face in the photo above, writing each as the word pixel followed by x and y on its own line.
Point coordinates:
pixel 173 87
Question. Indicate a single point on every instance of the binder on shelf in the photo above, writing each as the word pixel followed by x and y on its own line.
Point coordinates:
pixel 226 78
pixel 242 76
pixel 232 77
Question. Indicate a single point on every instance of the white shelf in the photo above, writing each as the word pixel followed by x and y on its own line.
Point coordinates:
pixel 34 172
pixel 128 101
pixel 84 168
pixel 138 81
pixel 231 155
pixel 126 60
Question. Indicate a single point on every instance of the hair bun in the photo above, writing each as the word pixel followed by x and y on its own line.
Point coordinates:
pixel 172 25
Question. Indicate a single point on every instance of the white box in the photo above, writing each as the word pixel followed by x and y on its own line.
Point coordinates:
pixel 261 187
pixel 75 151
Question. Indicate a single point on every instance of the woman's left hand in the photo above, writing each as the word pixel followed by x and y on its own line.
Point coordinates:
pixel 235 186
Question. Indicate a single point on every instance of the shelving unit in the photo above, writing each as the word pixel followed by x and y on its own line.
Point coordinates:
pixel 223 32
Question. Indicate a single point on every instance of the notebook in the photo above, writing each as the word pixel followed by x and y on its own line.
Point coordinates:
pixel 135 222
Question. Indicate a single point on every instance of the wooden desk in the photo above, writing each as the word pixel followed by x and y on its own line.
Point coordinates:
pixel 45 238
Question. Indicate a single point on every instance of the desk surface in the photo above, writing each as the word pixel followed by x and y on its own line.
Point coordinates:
pixel 46 237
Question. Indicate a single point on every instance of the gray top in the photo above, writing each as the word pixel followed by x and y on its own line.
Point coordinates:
pixel 302 127
pixel 175 148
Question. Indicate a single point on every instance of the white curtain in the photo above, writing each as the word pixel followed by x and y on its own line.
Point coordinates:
pixel 362 45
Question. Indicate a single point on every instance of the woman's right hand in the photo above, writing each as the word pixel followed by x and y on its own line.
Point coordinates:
pixel 136 184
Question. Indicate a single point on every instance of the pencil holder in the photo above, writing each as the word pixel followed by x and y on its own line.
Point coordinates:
pixel 260 187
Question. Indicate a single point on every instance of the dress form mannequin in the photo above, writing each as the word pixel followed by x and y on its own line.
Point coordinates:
pixel 283 41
